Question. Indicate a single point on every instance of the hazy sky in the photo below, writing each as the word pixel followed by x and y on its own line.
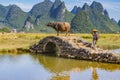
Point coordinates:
pixel 112 6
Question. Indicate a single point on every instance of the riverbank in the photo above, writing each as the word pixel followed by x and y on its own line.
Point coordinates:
pixel 20 42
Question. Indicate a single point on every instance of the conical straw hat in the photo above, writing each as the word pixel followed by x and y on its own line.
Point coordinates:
pixel 94 30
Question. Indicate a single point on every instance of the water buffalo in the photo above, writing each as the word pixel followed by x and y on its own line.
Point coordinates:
pixel 60 26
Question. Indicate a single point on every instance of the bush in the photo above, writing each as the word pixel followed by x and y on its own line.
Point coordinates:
pixel 5 29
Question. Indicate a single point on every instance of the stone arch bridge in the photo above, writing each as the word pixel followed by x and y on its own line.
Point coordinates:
pixel 73 47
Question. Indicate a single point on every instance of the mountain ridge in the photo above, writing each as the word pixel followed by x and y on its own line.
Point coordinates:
pixel 93 16
pixel 81 18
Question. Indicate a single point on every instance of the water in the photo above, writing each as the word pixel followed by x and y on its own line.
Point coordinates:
pixel 117 51
pixel 40 67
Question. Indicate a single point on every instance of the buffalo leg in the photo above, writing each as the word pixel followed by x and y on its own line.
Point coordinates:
pixel 57 33
pixel 66 33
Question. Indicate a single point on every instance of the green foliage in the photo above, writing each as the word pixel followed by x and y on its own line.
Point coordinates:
pixel 91 17
pixel 12 16
pixel 5 29
pixel 16 17
pixel 68 16
pixel 41 9
pixel 3 12
pixel 81 23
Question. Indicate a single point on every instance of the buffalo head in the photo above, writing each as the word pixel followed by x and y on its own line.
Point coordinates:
pixel 49 24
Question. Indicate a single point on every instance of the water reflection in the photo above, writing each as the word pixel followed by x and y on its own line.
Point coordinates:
pixel 63 66
pixel 55 64
pixel 40 67
pixel 94 74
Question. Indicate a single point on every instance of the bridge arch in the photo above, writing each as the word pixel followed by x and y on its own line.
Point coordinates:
pixel 51 48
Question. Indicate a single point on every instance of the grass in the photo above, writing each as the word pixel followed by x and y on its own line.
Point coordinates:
pixel 106 41
pixel 10 42
pixel 109 41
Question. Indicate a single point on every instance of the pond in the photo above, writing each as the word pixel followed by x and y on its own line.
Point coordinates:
pixel 40 67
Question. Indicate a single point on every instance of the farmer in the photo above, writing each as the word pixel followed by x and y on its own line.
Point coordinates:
pixel 95 37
